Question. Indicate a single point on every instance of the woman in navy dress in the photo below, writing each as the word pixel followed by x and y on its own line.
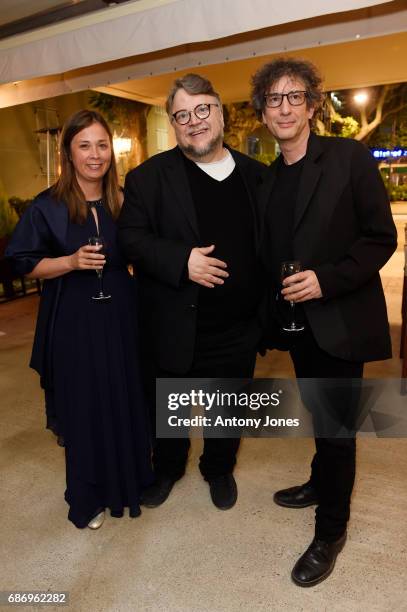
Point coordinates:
pixel 85 350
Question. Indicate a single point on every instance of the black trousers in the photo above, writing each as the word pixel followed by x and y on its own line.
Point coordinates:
pixel 230 354
pixel 333 465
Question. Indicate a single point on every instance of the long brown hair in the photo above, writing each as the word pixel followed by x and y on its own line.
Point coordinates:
pixel 67 188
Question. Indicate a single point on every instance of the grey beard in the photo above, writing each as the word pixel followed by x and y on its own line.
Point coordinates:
pixel 194 153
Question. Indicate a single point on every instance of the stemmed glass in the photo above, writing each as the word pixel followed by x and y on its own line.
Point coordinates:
pixel 99 241
pixel 288 268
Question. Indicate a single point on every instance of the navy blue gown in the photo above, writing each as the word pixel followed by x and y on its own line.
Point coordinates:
pixel 97 390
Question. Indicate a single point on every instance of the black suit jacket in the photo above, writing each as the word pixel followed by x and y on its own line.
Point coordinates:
pixel 344 231
pixel 157 229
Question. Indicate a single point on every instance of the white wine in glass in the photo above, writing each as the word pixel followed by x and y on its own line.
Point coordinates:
pixel 99 241
pixel 288 268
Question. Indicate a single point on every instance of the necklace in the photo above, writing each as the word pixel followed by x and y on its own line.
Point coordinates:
pixel 95 202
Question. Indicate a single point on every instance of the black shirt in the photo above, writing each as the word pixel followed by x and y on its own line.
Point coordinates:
pixel 226 219
pixel 279 225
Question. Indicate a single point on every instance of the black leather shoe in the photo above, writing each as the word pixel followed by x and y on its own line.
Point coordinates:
pixel 223 491
pixel 157 493
pixel 297 497
pixel 317 562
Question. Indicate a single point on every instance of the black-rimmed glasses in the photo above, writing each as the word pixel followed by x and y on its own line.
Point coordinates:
pixel 295 98
pixel 202 111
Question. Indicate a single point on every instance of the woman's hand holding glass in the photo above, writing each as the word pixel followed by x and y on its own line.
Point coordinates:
pixel 88 257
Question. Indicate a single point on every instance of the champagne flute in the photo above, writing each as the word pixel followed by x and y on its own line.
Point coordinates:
pixel 99 241
pixel 288 268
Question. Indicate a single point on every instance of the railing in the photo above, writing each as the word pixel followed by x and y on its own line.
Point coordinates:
pixel 13 285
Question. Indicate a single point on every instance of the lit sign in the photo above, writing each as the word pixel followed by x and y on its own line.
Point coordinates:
pixel 384 153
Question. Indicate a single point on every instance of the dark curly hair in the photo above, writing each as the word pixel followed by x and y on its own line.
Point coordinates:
pixel 286 66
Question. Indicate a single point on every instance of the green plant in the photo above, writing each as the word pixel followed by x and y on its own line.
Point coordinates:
pixel 398 192
pixel 19 205
pixel 266 158
pixel 125 116
pixel 8 216
pixel 350 127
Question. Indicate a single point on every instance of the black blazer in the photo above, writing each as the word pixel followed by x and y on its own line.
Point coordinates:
pixel 157 229
pixel 344 231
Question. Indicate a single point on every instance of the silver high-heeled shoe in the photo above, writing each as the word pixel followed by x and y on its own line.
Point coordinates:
pixel 97 521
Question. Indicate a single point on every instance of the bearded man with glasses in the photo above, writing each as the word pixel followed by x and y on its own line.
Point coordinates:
pixel 325 206
pixel 190 225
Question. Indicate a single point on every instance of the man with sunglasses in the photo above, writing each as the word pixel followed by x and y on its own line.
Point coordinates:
pixel 190 225
pixel 326 207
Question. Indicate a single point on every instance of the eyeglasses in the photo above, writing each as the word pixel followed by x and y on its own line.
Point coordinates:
pixel 295 98
pixel 202 111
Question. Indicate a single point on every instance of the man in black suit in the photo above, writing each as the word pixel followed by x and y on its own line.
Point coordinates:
pixel 325 205
pixel 190 225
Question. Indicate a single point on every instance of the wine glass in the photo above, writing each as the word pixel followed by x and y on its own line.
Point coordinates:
pixel 288 268
pixel 99 241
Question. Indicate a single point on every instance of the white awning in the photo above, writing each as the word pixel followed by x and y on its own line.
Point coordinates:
pixel 148 26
